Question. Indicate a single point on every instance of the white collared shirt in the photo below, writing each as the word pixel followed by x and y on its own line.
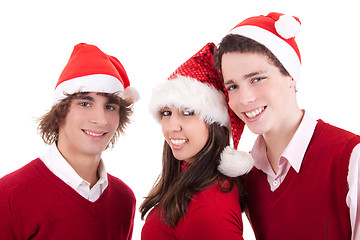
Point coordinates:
pixel 62 169
pixel 293 156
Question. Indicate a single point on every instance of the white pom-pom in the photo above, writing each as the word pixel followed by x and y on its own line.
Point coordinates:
pixel 287 26
pixel 235 163
pixel 132 94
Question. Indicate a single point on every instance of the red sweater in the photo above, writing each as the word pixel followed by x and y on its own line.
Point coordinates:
pixel 310 204
pixel 35 204
pixel 211 215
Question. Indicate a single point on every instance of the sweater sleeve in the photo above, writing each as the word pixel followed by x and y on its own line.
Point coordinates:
pixel 5 214
pixel 213 222
pixel 353 196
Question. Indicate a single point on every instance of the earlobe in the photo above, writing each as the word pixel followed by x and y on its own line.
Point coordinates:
pixel 292 83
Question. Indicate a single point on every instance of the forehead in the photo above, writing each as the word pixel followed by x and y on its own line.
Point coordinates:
pixel 236 64
pixel 174 108
pixel 96 96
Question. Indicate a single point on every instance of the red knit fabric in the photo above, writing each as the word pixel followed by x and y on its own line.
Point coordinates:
pixel 35 204
pixel 211 215
pixel 310 204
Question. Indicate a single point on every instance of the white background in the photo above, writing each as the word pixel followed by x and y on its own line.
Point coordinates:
pixel 151 39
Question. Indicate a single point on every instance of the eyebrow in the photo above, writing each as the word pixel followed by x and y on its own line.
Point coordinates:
pixel 246 76
pixel 84 97
pixel 253 74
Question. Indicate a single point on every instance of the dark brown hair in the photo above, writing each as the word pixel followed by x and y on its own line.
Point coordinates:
pixel 174 188
pixel 237 43
pixel 50 122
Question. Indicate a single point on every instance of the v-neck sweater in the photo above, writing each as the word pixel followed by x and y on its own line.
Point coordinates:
pixel 36 204
pixel 310 204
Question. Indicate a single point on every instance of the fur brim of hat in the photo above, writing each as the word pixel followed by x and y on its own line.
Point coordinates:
pixel 94 83
pixel 188 93
pixel 235 163
pixel 283 51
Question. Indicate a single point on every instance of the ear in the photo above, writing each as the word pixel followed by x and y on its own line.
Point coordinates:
pixel 292 83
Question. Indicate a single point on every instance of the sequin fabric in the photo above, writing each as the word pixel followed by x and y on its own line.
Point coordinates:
pixel 201 67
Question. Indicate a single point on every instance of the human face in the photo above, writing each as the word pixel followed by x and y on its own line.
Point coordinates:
pixel 88 126
pixel 185 133
pixel 259 93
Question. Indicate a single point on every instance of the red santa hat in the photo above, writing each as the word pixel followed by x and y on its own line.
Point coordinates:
pixel 196 86
pixel 91 70
pixel 276 31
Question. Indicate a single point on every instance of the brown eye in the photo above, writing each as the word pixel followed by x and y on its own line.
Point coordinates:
pixel 165 113
pixel 188 113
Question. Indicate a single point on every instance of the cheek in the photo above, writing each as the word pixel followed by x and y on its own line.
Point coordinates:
pixel 202 132
pixel 115 121
pixel 233 102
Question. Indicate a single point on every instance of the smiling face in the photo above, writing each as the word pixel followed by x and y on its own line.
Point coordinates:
pixel 89 125
pixel 259 93
pixel 185 133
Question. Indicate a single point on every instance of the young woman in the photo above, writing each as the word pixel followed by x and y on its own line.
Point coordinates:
pixel 305 183
pixel 192 199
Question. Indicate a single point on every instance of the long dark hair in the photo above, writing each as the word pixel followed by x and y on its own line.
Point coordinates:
pixel 174 188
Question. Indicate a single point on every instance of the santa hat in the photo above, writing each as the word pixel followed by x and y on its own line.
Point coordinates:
pixel 276 31
pixel 196 86
pixel 91 70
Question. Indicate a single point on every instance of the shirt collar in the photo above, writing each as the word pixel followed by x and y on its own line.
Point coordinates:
pixel 294 152
pixel 62 169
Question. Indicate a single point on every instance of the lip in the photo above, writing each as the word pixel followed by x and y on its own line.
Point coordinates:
pixel 178 143
pixel 258 111
pixel 94 134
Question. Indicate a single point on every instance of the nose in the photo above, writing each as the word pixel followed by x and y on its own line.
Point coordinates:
pixel 171 123
pixel 98 116
pixel 245 95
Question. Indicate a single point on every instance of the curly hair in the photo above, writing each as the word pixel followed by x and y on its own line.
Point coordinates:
pixel 50 122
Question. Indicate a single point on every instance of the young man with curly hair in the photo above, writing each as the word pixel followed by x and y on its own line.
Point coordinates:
pixel 67 193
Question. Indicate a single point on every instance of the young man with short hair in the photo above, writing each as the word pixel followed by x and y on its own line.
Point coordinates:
pixel 305 183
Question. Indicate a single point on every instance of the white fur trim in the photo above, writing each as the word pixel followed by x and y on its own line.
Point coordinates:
pixel 281 49
pixel 132 94
pixel 287 26
pixel 186 92
pixel 90 83
pixel 235 163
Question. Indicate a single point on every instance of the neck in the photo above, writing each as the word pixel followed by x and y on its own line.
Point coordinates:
pixel 277 140
pixel 85 166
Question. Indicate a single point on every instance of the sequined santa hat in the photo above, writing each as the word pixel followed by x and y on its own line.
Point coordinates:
pixel 91 70
pixel 196 86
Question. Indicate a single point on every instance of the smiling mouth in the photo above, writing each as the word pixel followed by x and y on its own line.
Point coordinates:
pixel 94 134
pixel 254 113
pixel 178 142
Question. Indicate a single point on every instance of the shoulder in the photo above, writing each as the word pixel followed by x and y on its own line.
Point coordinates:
pixel 120 187
pixel 338 132
pixel 215 198
pixel 23 176
pixel 329 135
pixel 22 180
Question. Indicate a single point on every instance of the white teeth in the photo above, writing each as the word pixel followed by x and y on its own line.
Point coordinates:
pixel 177 141
pixel 254 113
pixel 94 134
